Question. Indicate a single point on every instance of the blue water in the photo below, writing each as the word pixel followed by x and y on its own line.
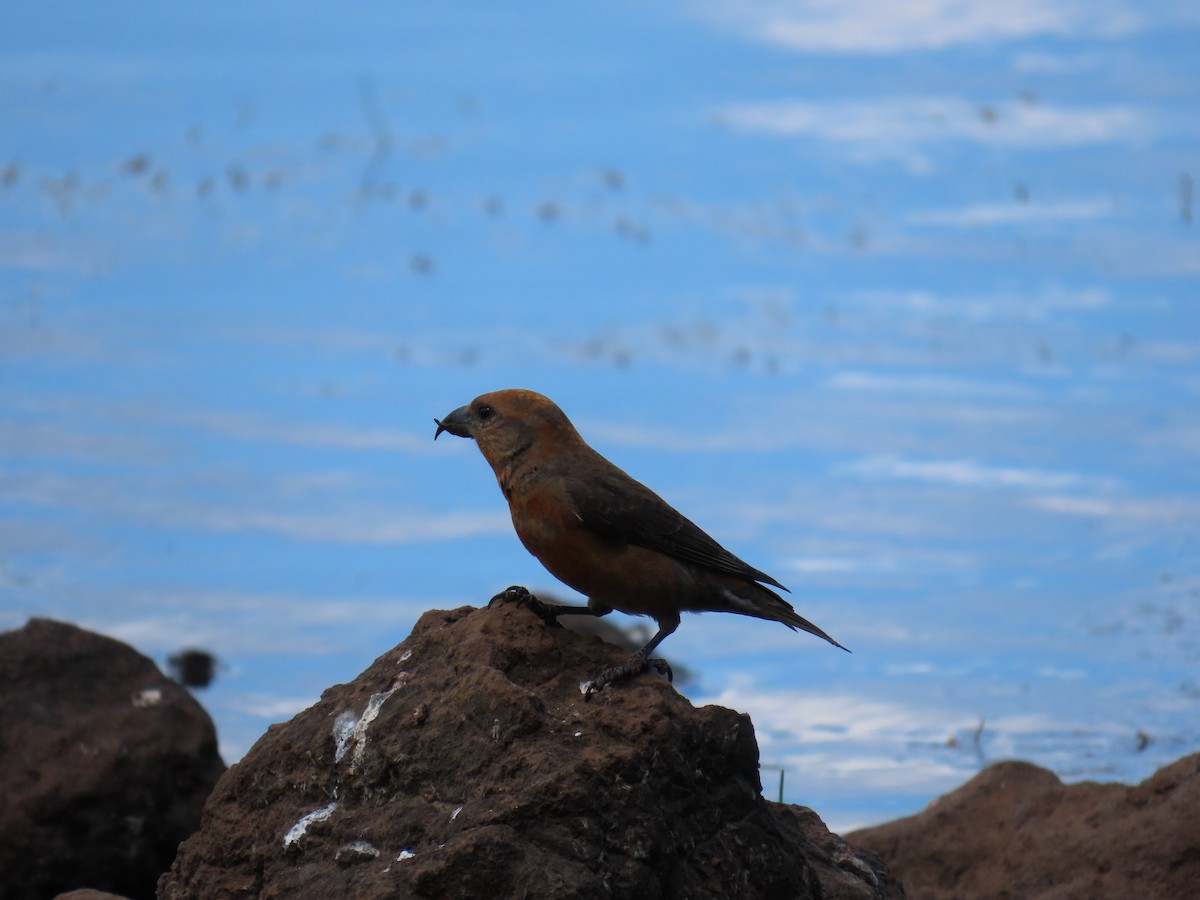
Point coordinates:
pixel 899 304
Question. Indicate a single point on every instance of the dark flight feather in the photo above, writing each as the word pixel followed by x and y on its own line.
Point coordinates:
pixel 618 506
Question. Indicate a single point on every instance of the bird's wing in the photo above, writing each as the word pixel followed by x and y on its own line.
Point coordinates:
pixel 618 506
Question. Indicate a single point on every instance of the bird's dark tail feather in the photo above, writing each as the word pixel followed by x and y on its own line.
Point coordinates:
pixel 758 600
pixel 794 620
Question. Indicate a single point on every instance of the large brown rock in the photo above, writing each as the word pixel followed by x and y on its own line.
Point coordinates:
pixel 1016 831
pixel 106 764
pixel 466 763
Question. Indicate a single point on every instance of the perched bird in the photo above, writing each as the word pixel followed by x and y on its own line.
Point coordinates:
pixel 605 534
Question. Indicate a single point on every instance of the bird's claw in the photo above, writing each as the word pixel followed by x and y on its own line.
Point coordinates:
pixel 513 594
pixel 522 597
pixel 635 665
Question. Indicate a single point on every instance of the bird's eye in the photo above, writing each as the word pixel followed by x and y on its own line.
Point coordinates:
pixel 484 412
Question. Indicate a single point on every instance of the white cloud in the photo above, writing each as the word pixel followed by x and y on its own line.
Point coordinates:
pixel 886 26
pixel 1013 213
pixel 981 307
pixel 269 706
pixel 889 126
pixel 241 624
pixel 883 772
pixel 743 439
pixel 910 561
pixel 812 565
pixel 960 473
pixel 171 506
pixel 823 717
pixel 918 668
pixel 1055 63
pixel 44 252
pixel 305 434
pixel 355 525
pixel 1170 352
pixel 1182 434
pixel 40 440
pixel 90 441
pixel 1169 510
pixel 1060 672
pixel 925 385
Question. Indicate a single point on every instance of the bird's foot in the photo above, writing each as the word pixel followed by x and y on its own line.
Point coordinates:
pixel 635 665
pixel 547 612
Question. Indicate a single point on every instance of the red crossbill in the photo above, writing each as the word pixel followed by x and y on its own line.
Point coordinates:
pixel 605 534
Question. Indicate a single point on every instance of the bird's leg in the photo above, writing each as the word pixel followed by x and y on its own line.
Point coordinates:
pixel 547 612
pixel 636 664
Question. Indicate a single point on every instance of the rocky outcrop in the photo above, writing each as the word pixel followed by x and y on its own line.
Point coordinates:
pixel 106 764
pixel 466 763
pixel 1015 830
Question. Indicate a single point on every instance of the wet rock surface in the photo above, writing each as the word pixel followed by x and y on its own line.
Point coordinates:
pixel 106 762
pixel 466 763
pixel 1016 831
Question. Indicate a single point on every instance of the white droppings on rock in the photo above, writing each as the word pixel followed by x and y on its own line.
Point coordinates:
pixel 579 734
pixel 298 830
pixel 360 730
pixel 405 854
pixel 454 815
pixel 407 655
pixel 349 729
pixel 148 697
pixel 359 849
pixel 343 729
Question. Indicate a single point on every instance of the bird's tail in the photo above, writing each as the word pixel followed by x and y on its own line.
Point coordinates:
pixel 794 620
pixel 763 603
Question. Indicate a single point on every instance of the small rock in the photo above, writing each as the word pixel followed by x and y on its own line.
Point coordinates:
pixel 1015 830
pixel 106 764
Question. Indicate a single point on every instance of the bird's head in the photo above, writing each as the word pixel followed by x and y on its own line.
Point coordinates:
pixel 507 423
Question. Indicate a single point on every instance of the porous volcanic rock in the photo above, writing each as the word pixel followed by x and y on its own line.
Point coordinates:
pixel 1016 831
pixel 106 764
pixel 465 763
